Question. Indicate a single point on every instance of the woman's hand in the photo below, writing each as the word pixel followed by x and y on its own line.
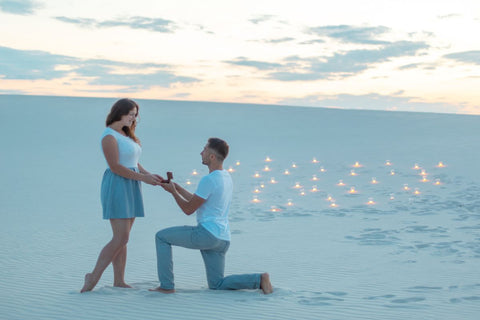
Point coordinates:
pixel 152 179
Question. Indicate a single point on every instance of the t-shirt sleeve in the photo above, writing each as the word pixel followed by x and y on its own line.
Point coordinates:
pixel 205 188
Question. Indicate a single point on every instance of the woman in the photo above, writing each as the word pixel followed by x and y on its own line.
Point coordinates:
pixel 121 189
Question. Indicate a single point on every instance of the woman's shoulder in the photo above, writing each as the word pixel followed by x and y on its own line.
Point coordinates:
pixel 109 132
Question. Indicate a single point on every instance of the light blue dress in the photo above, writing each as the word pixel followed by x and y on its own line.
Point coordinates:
pixel 121 197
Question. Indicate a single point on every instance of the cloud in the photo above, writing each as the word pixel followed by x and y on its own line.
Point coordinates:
pixel 279 40
pixel 144 23
pixel 260 65
pixel 450 16
pixel 21 7
pixel 345 64
pixel 351 34
pixel 261 18
pixel 35 65
pixel 371 101
pixel 470 57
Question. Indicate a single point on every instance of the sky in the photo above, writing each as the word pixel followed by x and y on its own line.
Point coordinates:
pixel 396 55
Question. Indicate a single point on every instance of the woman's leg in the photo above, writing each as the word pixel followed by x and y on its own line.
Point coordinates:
pixel 121 231
pixel 119 262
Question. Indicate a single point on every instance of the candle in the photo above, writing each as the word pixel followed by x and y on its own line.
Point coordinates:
pixel 371 202
pixel 333 205
pixel 194 172
pixel 237 163
pixel 256 175
pixel 275 209
pixel 286 172
pixel 441 165
pixel 322 169
pixel 437 182
pixel 392 196
pixel 267 169
pixel 290 203
pixel 314 178
pixel 262 185
pixel 302 192
pixel 416 167
pixel 314 160
pixel 273 181
pixel 423 173
pixel 388 163
pixel 257 190
pixel 353 173
pixel 424 179
pixel 294 165
pixel 352 190
pixel 230 169
pixel 417 191
pixel 267 159
pixel 406 187
pixel 340 183
pixel 330 198
pixel 297 185
pixel 314 189
pixel 392 172
pixel 374 181
pixel 188 182
pixel 255 200
pixel 357 165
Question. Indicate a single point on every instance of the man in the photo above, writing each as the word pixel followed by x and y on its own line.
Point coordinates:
pixel 211 236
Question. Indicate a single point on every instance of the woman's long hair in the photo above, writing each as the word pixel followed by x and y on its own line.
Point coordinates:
pixel 121 108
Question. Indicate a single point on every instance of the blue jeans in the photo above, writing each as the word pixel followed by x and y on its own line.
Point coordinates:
pixel 213 252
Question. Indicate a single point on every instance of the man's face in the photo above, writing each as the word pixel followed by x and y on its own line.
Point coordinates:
pixel 206 152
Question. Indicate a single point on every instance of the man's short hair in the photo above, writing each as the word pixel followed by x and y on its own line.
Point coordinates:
pixel 219 146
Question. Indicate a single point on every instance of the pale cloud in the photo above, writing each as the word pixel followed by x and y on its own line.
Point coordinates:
pixel 36 65
pixel 352 34
pixel 143 23
pixel 260 65
pixel 469 57
pixel 20 7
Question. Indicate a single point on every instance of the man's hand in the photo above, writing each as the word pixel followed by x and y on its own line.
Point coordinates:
pixel 168 186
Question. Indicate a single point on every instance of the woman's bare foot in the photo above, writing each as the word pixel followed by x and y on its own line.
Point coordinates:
pixel 89 283
pixel 158 289
pixel 122 285
pixel 265 284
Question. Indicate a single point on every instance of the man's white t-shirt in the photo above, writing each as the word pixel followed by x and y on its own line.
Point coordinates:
pixel 216 188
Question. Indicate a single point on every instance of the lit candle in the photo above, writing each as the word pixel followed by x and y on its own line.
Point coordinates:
pixel 352 190
pixel 340 183
pixel 255 200
pixel 416 167
pixel 406 187
pixel 423 173
pixel 257 190
pixel 437 182
pixel 262 185
pixel 314 178
pixel 441 165
pixel 353 173
pixel 267 169
pixel 314 160
pixel 374 181
pixel 424 179
pixel 302 192
pixel 392 196
pixel 371 202
pixel 314 189
pixel 286 172
pixel 388 163
pixel 256 175
pixel 230 169
pixel 290 203
pixel 275 209
pixel 297 185
pixel 294 165
pixel 194 172
pixel 392 172
pixel 237 163
pixel 357 165
pixel 273 181
pixel 330 198
pixel 267 159
pixel 333 205
pixel 417 191
pixel 322 169
pixel 188 182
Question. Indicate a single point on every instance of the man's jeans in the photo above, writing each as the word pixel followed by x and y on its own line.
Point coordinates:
pixel 213 252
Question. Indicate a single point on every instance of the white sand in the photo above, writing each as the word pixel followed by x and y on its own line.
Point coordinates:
pixel 413 257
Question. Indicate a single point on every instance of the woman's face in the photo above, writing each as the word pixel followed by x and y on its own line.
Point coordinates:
pixel 128 119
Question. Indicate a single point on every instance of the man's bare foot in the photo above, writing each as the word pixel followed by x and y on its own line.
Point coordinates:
pixel 122 285
pixel 89 283
pixel 265 284
pixel 158 289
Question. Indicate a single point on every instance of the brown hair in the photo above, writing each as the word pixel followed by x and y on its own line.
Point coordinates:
pixel 119 109
pixel 219 146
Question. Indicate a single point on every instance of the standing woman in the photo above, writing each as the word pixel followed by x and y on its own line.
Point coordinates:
pixel 121 192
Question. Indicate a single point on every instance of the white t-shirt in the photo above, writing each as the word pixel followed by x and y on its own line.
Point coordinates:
pixel 128 150
pixel 216 188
